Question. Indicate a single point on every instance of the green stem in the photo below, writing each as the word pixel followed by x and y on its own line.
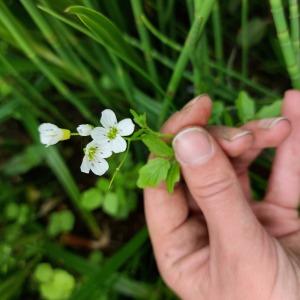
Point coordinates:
pixel 189 45
pixel 137 11
pixel 217 29
pixel 197 57
pixel 244 17
pixel 295 29
pixel 285 42
pixel 120 164
pixel 227 71
pixel 159 35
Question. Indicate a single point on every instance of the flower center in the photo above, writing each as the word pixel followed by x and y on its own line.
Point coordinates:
pixel 91 153
pixel 112 133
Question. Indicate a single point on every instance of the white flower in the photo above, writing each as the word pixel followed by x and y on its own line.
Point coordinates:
pixel 93 159
pixel 112 131
pixel 50 134
pixel 85 129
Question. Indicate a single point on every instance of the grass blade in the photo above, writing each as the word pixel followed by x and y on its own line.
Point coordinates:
pixel 192 38
pixel 95 282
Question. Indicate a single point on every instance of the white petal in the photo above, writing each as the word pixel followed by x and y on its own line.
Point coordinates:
pixel 108 118
pixel 84 129
pixel 45 139
pixel 118 144
pixel 51 138
pixel 103 151
pixel 126 127
pixel 45 127
pixel 99 167
pixel 85 165
pixel 90 144
pixel 99 134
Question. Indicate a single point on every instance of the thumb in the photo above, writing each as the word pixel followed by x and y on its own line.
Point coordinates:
pixel 215 188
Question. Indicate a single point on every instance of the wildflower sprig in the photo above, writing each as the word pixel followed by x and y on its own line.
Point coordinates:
pixel 114 137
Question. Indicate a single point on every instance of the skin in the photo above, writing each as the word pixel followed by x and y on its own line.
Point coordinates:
pixel 210 239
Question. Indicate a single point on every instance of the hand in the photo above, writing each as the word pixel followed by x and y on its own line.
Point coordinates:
pixel 210 239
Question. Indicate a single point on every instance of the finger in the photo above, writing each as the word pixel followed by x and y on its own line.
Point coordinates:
pixel 233 141
pixel 284 187
pixel 214 186
pixel 267 133
pixel 195 112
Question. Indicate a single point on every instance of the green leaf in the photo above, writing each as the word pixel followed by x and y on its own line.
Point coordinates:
pixel 173 176
pixel 157 146
pixel 155 171
pixel 106 33
pixel 60 287
pixel 11 211
pixel 111 204
pixel 270 111
pixel 217 112
pixel 31 157
pixel 43 272
pixel 60 222
pixel 103 184
pixel 141 120
pixel 91 199
pixel 245 107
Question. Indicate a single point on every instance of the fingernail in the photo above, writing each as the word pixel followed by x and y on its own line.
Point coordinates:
pixel 193 146
pixel 233 136
pixel 193 101
pixel 271 122
pixel 228 133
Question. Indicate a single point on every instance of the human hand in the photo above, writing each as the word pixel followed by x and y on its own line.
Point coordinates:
pixel 211 241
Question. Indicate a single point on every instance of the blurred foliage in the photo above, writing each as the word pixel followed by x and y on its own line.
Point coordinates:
pixel 66 235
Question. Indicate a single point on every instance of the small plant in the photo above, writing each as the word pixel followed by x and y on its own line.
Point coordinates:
pixel 107 140
pixel 53 284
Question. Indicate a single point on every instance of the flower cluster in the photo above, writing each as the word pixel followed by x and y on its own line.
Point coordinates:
pixel 107 139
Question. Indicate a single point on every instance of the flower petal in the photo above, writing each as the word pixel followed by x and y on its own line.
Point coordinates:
pixel 45 139
pixel 126 127
pixel 84 129
pixel 46 127
pixel 103 151
pixel 118 144
pixel 99 167
pixel 108 118
pixel 85 165
pixel 99 134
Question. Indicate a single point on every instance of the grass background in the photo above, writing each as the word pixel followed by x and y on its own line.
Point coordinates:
pixel 65 61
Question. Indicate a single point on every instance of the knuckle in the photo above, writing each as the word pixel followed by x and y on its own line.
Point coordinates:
pixel 214 187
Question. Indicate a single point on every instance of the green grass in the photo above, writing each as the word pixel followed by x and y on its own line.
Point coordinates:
pixel 65 61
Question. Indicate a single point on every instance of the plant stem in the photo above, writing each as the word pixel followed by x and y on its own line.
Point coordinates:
pixel 227 71
pixel 217 29
pixel 138 12
pixel 295 29
pixel 244 17
pixel 192 38
pixel 159 35
pixel 285 42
